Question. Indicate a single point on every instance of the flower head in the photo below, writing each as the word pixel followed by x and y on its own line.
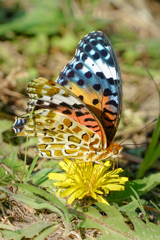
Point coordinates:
pixel 84 179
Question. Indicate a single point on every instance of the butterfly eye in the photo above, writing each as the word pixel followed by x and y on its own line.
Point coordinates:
pixel 115 151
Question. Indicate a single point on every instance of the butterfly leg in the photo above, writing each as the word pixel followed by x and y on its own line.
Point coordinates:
pixel 85 160
pixel 113 166
pixel 115 162
pixel 77 163
pixel 91 182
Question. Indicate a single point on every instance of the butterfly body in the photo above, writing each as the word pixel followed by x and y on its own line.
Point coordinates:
pixel 78 115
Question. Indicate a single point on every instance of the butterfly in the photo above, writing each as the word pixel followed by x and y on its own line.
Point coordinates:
pixel 78 115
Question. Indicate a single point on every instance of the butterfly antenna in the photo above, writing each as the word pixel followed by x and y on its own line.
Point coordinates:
pixel 139 131
pixel 136 144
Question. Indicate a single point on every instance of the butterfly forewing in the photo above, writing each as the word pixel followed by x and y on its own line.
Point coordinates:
pixel 94 76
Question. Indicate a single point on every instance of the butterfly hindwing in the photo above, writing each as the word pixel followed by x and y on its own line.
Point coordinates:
pixel 58 135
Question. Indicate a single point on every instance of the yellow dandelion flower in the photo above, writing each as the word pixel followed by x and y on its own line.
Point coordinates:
pixel 87 179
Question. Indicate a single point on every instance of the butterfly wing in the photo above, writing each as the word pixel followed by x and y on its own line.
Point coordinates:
pixel 91 100
pixel 47 94
pixel 94 76
pixel 58 135
pixel 61 121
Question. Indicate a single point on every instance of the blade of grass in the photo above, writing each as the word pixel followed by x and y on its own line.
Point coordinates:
pixel 156 207
pixel 7 227
pixel 25 156
pixel 46 232
pixel 36 203
pixel 47 196
pixel 31 168
pixel 139 204
pixel 12 166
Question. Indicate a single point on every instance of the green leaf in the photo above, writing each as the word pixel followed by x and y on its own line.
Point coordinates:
pixel 141 186
pixel 112 224
pixel 48 196
pixel 41 177
pixel 144 231
pixel 46 232
pixel 139 204
pixel 90 222
pixel 36 202
pixel 29 232
pixel 7 227
pixel 131 207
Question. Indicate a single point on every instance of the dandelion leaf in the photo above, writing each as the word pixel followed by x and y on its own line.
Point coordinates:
pixel 29 232
pixel 111 224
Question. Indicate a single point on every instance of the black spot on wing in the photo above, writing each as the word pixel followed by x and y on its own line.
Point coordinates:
pixel 108 92
pixel 84 57
pixel 97 130
pixel 112 102
pixel 39 102
pixel 79 114
pixel 95 101
pixel 65 105
pixel 52 105
pixel 87 48
pixel 79 66
pixel 88 74
pixel 104 52
pixel 110 62
pixel 94 42
pixel 81 97
pixel 95 56
pixel 90 126
pixel 111 81
pixel 77 106
pixel 80 82
pixel 70 74
pixel 64 82
pixel 67 111
pixel 110 112
pixel 89 119
pixel 97 87
pixel 100 74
